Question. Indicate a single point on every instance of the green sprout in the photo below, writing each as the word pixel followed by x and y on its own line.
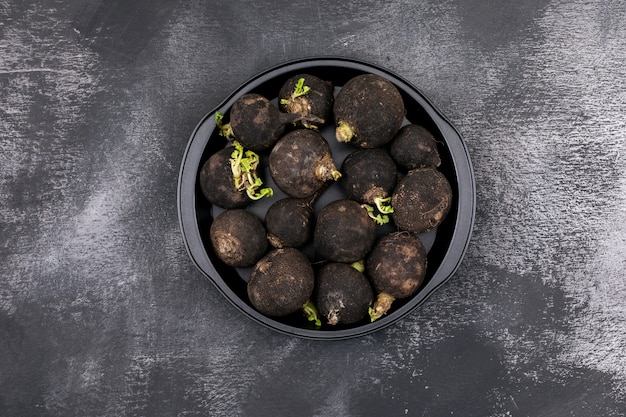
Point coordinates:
pixel 383 205
pixel 300 90
pixel 311 313
pixel 243 165
pixel 263 192
pixel 379 218
pixel 358 265
pixel 225 129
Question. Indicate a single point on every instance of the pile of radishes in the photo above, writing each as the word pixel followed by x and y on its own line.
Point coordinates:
pixel 390 177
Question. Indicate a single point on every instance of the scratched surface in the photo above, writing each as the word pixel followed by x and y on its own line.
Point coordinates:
pixel 102 312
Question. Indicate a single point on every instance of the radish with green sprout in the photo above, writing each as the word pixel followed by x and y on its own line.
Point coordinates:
pixel 309 95
pixel 229 178
pixel 218 184
pixel 369 177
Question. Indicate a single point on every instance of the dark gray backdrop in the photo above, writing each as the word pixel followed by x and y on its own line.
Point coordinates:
pixel 103 314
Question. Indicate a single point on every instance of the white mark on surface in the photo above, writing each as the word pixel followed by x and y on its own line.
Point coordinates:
pixel 337 403
pixel 560 196
pixel 345 40
pixel 31 70
pixel 593 206
pixel 59 79
pixel 598 339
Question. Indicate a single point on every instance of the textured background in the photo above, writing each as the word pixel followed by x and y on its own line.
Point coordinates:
pixel 102 312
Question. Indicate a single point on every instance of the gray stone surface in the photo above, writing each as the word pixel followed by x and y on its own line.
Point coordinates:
pixel 102 312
